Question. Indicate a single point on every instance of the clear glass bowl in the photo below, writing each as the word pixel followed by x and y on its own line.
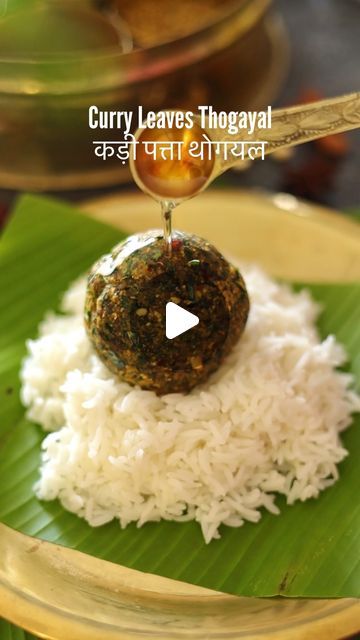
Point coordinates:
pixel 236 61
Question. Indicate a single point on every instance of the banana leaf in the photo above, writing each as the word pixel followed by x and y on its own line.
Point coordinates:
pixel 10 632
pixel 311 550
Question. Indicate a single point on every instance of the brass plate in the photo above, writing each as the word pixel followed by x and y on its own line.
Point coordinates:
pixel 62 594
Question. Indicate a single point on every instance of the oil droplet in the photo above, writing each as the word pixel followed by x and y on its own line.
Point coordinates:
pixel 172 178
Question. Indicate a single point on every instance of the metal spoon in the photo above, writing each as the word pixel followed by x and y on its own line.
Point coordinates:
pixel 289 127
pixel 296 125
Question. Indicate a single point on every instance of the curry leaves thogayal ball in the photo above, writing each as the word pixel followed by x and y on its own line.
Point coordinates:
pixel 125 310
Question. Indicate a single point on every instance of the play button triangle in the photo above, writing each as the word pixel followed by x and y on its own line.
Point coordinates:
pixel 178 320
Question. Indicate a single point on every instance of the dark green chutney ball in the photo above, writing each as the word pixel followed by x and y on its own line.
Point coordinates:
pixel 125 310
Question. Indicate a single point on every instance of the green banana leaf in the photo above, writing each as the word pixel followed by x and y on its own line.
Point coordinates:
pixel 311 550
pixel 10 632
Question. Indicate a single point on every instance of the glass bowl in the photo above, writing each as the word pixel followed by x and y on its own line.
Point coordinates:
pixel 235 60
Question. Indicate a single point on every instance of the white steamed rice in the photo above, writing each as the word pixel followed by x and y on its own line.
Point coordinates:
pixel 268 421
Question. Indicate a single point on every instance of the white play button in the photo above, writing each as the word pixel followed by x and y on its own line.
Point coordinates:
pixel 178 320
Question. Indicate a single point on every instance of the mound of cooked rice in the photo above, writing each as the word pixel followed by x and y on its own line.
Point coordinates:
pixel 268 421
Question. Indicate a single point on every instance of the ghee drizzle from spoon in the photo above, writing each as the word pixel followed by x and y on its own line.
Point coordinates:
pixel 167 207
pixel 146 272
pixel 174 178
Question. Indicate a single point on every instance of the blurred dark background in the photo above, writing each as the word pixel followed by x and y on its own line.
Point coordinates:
pixel 325 59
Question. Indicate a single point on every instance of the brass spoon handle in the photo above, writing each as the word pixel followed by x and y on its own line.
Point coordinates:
pixel 298 124
pixel 289 127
